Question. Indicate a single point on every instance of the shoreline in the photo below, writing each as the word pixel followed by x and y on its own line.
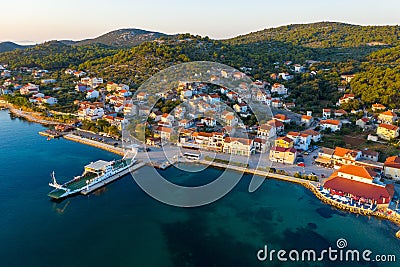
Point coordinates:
pixel 285 178
pixel 28 115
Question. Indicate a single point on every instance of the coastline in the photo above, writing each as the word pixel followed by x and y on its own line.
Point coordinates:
pixel 29 116
pixel 307 184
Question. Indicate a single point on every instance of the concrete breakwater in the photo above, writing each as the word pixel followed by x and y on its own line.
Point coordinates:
pixel 110 148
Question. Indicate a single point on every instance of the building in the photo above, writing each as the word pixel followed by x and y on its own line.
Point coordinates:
pixel 284 142
pixel 164 133
pixel 238 146
pixel 333 125
pixel 315 136
pixel 369 154
pixel 260 144
pixel 307 120
pixel 326 113
pixel 344 156
pixel 279 126
pixel 48 81
pixel 50 100
pixel 282 118
pixel 29 88
pixel 90 113
pixel 392 168
pixel 362 123
pixel 387 131
pixel 359 184
pixel 240 108
pixel 151 141
pixel 265 131
pixel 92 94
pixel 346 98
pixel 325 157
pixel 377 107
pixel 387 117
pixel 278 88
pixel 283 155
pixel 340 113
pixel 276 103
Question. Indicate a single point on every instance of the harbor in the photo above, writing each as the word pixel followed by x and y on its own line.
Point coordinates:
pixel 123 210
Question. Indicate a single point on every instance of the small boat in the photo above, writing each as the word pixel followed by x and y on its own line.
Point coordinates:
pixel 48 138
pixel 398 234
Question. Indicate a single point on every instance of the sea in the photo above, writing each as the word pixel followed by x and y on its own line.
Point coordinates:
pixel 120 225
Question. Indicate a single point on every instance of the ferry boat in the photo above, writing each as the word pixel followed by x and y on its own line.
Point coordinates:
pixel 95 175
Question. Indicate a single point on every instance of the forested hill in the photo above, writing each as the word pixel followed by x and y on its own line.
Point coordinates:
pixel 123 38
pixel 379 80
pixel 9 46
pixel 325 34
pixel 54 55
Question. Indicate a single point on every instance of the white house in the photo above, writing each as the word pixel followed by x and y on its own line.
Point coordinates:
pixel 334 125
pixel 92 94
pixel 50 100
pixel 326 113
pixel 278 88
pixel 210 122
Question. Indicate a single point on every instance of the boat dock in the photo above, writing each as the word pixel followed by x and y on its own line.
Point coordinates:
pixel 51 134
pixel 92 188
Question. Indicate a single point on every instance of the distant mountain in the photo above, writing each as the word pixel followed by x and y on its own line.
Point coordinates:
pixel 10 46
pixel 123 38
pixel 324 35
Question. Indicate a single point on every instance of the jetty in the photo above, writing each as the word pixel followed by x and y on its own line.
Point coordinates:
pixel 51 133
pixel 110 148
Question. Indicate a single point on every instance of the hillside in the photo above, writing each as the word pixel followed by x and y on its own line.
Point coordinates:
pixel 379 80
pixel 10 46
pixel 123 38
pixel 54 55
pixel 325 34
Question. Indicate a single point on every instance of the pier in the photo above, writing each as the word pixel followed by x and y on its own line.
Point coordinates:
pixel 110 148
pixel 51 134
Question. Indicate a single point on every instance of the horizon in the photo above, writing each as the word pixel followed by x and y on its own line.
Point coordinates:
pixel 28 42
pixel 226 19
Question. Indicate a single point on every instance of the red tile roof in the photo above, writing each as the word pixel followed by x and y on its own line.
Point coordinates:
pixel 371 191
pixel 359 171
pixel 388 126
pixel 333 122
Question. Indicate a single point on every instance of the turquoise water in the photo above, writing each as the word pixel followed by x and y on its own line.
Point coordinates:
pixel 122 226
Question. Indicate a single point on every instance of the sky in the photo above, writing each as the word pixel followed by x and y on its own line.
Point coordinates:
pixel 28 21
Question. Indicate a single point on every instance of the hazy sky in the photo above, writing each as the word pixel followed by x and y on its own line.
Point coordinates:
pixel 41 20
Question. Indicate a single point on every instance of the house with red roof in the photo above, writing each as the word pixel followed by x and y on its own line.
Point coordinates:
pixel 387 131
pixel 392 168
pixel 333 125
pixel 360 184
pixel 387 117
